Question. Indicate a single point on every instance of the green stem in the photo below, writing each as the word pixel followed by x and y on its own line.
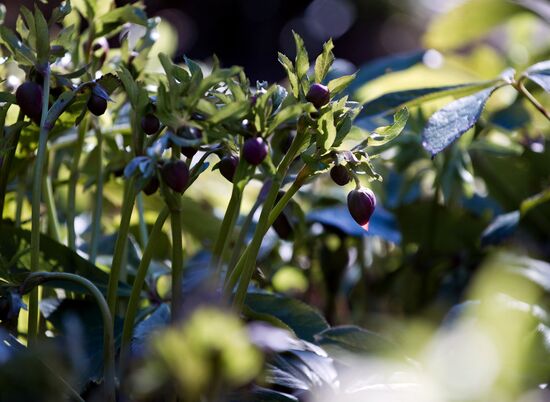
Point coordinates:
pixel 5 165
pixel 521 88
pixel 142 224
pixel 109 345
pixel 227 227
pixel 53 221
pixel 177 262
pixel 246 264
pixel 135 296
pixel 20 198
pixel 120 245
pixel 242 236
pixel 73 181
pixel 96 219
pixel 35 217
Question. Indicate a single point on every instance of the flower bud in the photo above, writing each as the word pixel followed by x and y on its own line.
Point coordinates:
pixel 361 205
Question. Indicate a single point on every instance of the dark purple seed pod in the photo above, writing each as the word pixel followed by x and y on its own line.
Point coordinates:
pixel 97 105
pixel 29 98
pixel 361 205
pixel 176 175
pixel 319 95
pixel 195 134
pixel 282 227
pixel 150 124
pixel 340 175
pixel 152 186
pixel 228 166
pixel 255 150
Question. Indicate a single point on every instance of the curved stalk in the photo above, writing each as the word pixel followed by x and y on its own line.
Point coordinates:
pixel 37 278
pixel 53 222
pixel 35 217
pixel 143 237
pixel 245 266
pixel 135 296
pixel 73 181
pixel 120 245
pixel 521 88
pixel 96 218
pixel 177 261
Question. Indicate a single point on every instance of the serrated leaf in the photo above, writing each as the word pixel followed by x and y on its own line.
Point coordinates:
pixel 337 85
pixel 449 123
pixel 235 110
pixel 289 113
pixel 327 131
pixel 292 78
pixel 17 47
pixel 302 58
pixel 383 135
pixel 324 61
pixel 42 37
pixel 540 74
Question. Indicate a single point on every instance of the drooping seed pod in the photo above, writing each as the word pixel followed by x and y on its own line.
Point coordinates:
pixel 228 166
pixel 97 105
pixel 340 175
pixel 176 175
pixel 150 124
pixel 193 133
pixel 255 150
pixel 319 95
pixel 29 98
pixel 361 205
pixel 152 186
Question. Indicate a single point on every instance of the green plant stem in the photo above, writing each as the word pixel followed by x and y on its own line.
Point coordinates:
pixel 120 245
pixel 96 218
pixel 234 274
pixel 142 224
pixel 241 239
pixel 135 296
pixel 521 88
pixel 227 227
pixel 53 221
pixel 5 166
pixel 108 333
pixel 33 314
pixel 73 182
pixel 177 260
pixel 246 264
pixel 20 198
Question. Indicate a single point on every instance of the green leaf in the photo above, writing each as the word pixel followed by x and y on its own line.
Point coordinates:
pixel 113 20
pixel 7 97
pixel 60 105
pixel 302 58
pixel 448 124
pixel 42 37
pixel 233 110
pixel 337 85
pixel 472 19
pixel 386 134
pixel 17 47
pixel 356 340
pixel 414 97
pixel 59 13
pixel 54 257
pixel 324 61
pixel 540 74
pixel 292 77
pixel 301 318
pixel 327 131
pixel 289 113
